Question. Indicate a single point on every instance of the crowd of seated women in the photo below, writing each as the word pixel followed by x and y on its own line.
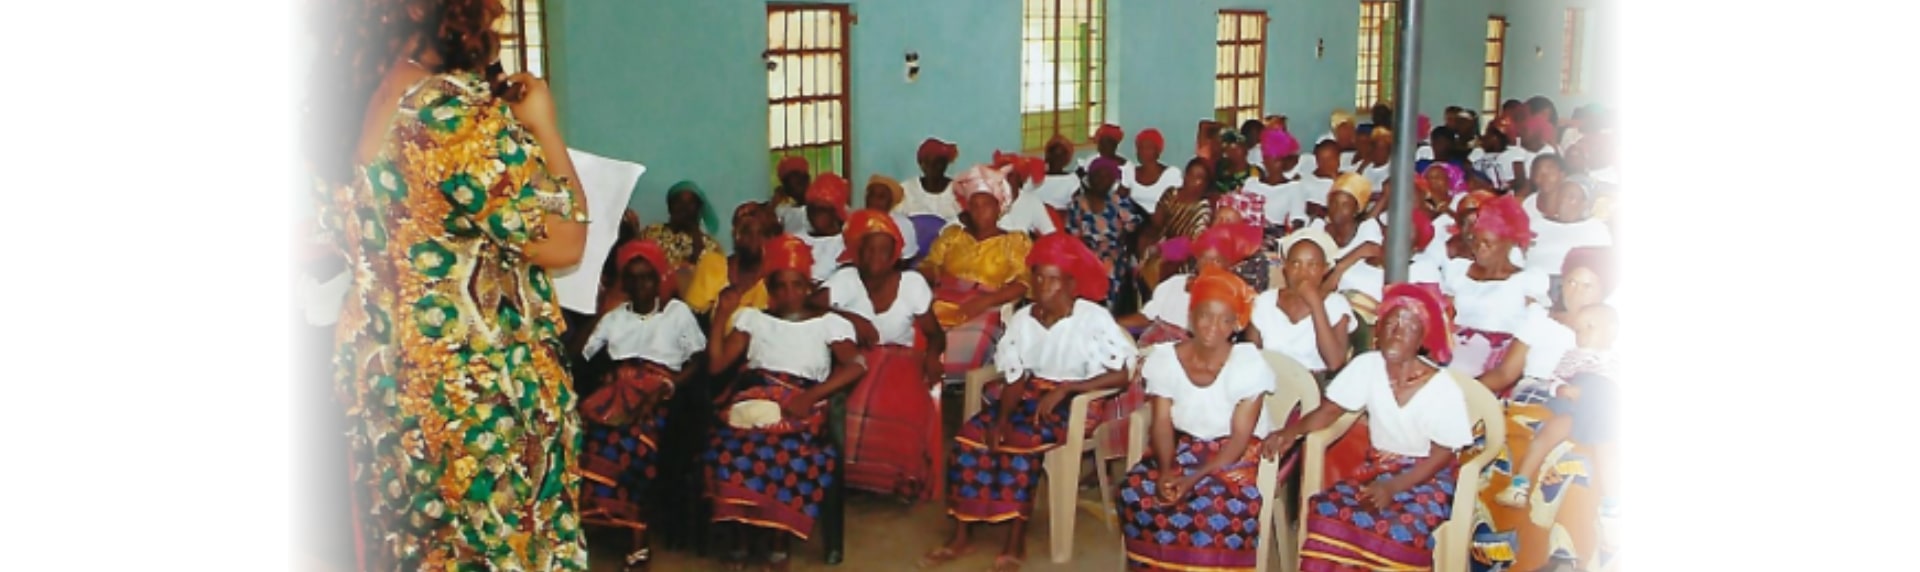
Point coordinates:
pixel 1169 284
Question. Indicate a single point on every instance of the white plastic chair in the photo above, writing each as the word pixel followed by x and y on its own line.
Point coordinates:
pixel 1452 539
pixel 1293 386
pixel 1062 464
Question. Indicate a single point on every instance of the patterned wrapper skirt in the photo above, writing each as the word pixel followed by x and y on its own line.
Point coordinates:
pixel 1561 520
pixel 970 342
pixel 893 427
pixel 622 448
pixel 998 486
pixel 1216 527
pixel 1343 532
pixel 770 477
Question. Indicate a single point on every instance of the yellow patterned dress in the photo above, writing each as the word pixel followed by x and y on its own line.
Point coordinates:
pixel 968 267
pixel 465 439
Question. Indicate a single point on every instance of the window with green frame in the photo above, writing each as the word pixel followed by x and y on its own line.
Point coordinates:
pixel 807 95
pixel 1062 70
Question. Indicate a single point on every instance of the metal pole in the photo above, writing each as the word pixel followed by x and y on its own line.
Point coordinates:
pixel 1406 111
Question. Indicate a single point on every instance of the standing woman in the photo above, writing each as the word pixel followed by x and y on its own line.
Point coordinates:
pixel 1182 506
pixel 1384 516
pixel 451 203
pixel 650 337
pixel 797 357
pixel 893 433
pixel 1065 343
pixel 976 268
pixel 1106 223
pixel 1181 215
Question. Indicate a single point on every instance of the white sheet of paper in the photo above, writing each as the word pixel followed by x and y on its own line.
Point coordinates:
pixel 609 185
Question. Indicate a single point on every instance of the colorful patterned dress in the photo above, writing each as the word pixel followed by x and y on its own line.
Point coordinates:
pixel 1106 231
pixel 679 246
pixel 448 348
pixel 1186 219
pixel 966 268
pixel 1561 521
pixel 1217 526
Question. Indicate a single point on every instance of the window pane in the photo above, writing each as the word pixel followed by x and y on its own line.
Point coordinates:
pixel 1249 90
pixel 777 125
pixel 1249 59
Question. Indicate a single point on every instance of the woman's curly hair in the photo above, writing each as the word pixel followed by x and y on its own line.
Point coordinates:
pixel 357 43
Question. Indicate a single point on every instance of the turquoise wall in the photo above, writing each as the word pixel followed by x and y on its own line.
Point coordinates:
pixel 679 86
pixel 1539 23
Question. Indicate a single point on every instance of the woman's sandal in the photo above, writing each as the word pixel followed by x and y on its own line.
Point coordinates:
pixel 639 560
pixel 939 556
pixel 1005 563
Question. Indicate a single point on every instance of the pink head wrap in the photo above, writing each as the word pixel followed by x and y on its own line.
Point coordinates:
pixel 1276 143
pixel 983 179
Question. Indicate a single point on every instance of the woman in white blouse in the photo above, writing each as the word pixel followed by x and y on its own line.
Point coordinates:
pixel 1383 516
pixel 1192 504
pixel 1565 222
pixel 1065 343
pixel 1302 319
pixel 1492 293
pixel 893 429
pixel 797 356
pixel 928 193
pixel 650 336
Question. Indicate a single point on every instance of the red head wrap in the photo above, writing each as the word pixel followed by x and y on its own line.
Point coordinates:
pixel 1150 138
pixel 1425 300
pixel 1422 229
pixel 1215 284
pixel 1504 217
pixel 1109 131
pixel 649 251
pixel 787 252
pixel 1234 242
pixel 1539 128
pixel 934 148
pixel 830 190
pixel 868 221
pixel 1066 252
pixel 792 164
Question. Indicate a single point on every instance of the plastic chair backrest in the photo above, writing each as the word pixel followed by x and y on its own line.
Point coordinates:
pixel 1483 409
pixel 1292 385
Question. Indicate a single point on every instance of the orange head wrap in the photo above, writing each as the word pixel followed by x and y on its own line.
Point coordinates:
pixel 1425 300
pixel 868 221
pixel 787 252
pixel 1066 252
pixel 1215 284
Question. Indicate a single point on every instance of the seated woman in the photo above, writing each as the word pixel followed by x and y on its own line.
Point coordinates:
pixel 1027 214
pixel 1234 167
pixel 1491 294
pixel 1346 220
pixel 883 193
pixel 1302 319
pixel 893 429
pixel 1384 516
pixel 1566 497
pixel 1065 343
pixel 1164 318
pixel 930 193
pixel 1566 222
pixel 1362 271
pixel 1231 211
pixel 789 202
pixel 1549 171
pixel 827 201
pixel 1193 504
pixel 650 337
pixel 1178 218
pixel 797 356
pixel 976 268
pixel 685 236
pixel 1106 223
pixel 1148 179
pixel 737 277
